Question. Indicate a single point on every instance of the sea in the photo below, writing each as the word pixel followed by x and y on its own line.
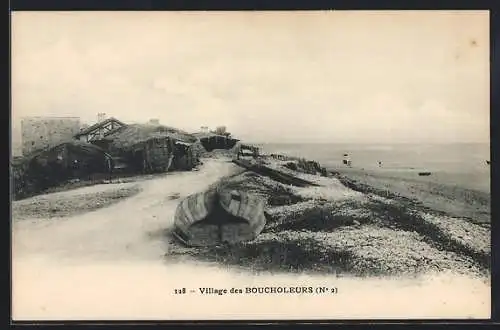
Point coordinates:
pixel 460 162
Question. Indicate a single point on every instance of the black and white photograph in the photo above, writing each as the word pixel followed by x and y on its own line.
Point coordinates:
pixel 250 165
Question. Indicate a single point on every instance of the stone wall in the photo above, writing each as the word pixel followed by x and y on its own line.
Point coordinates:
pixel 41 132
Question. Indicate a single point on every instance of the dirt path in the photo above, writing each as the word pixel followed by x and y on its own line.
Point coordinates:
pixel 123 231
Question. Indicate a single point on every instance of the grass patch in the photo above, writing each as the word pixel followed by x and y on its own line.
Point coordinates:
pixel 318 216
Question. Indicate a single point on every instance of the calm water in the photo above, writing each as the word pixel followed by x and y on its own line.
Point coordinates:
pixel 451 158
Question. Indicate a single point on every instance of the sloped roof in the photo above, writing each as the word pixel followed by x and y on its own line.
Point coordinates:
pixel 76 144
pixel 97 125
pixel 132 134
pixel 203 135
pixel 84 146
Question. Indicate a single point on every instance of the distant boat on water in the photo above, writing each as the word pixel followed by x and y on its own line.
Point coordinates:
pixel 424 173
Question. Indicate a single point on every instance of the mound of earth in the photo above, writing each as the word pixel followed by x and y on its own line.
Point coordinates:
pixel 335 229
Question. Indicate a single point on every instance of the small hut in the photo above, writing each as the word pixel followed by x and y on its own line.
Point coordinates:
pixel 61 162
pixel 219 216
pixel 145 148
pixel 74 158
pixel 213 141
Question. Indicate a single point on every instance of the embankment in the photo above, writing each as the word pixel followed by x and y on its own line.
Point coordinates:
pixel 341 228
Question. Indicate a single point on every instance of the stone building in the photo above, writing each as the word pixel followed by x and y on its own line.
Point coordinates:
pixel 41 132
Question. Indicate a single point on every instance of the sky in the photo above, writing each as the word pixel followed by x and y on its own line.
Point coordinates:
pixel 325 76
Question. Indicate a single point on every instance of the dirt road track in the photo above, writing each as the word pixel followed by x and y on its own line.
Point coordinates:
pixel 125 230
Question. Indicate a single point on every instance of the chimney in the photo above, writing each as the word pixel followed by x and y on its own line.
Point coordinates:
pixel 101 116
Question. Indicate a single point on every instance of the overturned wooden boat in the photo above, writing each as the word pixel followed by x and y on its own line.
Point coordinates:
pixel 274 174
pixel 219 216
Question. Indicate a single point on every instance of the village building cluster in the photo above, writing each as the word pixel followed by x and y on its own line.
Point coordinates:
pixel 58 149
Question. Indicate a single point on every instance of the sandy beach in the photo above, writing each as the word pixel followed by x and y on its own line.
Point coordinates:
pixel 457 194
pixel 117 262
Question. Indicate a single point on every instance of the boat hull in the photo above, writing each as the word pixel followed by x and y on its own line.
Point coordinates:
pixel 216 217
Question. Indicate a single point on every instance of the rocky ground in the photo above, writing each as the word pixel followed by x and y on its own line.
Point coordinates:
pixel 339 230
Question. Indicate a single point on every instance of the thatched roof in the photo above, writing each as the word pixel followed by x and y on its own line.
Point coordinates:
pixel 133 134
pixel 84 147
pixel 204 135
pixel 201 135
pixel 72 144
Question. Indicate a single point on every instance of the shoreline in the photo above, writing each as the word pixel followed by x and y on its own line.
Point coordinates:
pixel 428 193
pixel 475 181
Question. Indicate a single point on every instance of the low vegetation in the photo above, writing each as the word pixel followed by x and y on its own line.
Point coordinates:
pixel 349 232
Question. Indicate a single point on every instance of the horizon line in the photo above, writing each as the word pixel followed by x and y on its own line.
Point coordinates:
pixel 372 143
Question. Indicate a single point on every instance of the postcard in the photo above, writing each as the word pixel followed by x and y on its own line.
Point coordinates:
pixel 253 165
